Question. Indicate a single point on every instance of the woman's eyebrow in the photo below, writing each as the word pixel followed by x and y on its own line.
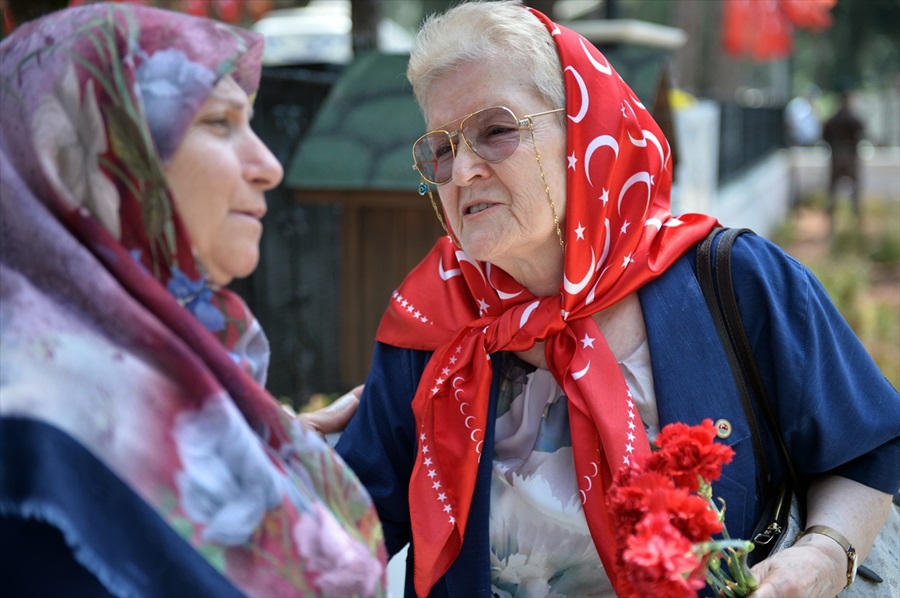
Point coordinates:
pixel 233 103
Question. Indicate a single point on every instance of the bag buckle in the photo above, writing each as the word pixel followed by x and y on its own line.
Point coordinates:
pixel 770 533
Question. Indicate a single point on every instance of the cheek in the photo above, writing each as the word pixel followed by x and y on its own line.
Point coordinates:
pixel 447 199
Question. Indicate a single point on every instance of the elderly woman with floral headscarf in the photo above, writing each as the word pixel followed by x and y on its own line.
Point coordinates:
pixel 515 365
pixel 140 452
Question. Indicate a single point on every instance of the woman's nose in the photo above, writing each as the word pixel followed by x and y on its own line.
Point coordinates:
pixel 467 165
pixel 261 167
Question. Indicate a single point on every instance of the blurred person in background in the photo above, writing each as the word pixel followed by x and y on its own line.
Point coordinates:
pixel 843 132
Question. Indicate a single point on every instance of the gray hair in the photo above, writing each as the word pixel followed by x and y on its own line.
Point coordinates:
pixel 479 31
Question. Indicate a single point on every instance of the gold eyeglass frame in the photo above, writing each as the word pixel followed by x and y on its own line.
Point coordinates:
pixel 522 123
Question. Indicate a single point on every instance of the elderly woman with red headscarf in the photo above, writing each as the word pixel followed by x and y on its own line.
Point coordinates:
pixel 559 324
pixel 139 452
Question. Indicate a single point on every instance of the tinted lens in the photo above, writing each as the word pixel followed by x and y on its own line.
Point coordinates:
pixel 492 133
pixel 434 157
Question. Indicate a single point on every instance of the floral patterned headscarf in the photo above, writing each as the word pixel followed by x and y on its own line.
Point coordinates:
pixel 110 331
pixel 619 235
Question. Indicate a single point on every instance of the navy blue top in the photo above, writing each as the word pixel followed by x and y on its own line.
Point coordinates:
pixel 837 412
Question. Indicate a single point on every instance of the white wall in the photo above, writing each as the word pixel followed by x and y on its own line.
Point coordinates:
pixel 697 140
pixel 759 199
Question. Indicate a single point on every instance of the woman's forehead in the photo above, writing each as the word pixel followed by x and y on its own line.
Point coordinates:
pixel 228 90
pixel 470 87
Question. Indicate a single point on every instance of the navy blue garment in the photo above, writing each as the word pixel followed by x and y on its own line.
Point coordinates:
pixel 70 527
pixel 838 414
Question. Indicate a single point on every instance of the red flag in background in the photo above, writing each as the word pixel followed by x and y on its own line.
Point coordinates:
pixel 228 10
pixel 764 29
pixel 198 8
pixel 255 9
pixel 809 14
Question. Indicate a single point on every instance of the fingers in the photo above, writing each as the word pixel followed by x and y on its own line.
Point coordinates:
pixel 335 417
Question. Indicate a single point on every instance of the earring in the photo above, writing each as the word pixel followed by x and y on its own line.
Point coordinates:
pixel 423 188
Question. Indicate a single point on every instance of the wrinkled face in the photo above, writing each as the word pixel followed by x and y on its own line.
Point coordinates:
pixel 499 211
pixel 217 176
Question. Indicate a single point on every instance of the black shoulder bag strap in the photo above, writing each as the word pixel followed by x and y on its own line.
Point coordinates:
pixel 722 304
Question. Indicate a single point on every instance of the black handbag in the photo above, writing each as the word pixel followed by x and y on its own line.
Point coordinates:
pixel 783 518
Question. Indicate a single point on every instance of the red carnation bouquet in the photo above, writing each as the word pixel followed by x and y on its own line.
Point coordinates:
pixel 665 519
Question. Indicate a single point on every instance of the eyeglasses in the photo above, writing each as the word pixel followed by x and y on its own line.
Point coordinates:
pixel 492 133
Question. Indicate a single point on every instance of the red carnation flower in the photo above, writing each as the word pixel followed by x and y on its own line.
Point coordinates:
pixel 660 561
pixel 687 452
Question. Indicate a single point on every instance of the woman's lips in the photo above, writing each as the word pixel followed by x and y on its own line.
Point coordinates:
pixel 478 207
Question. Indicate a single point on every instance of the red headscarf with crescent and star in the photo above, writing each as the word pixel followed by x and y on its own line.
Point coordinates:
pixel 620 235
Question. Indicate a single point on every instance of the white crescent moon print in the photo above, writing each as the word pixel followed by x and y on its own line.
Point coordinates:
pixel 503 295
pixel 603 68
pixel 581 373
pixel 527 313
pixel 585 99
pixel 598 142
pixel 447 274
pixel 573 288
pixel 638 177
pixel 462 256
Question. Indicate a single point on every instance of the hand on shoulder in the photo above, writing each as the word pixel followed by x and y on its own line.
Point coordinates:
pixel 335 417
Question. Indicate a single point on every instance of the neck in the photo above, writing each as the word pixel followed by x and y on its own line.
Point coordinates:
pixel 542 273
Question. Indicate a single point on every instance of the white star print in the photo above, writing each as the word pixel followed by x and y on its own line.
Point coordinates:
pixel 482 305
pixel 431 473
pixel 587 342
pixel 425 449
pixel 417 314
pixel 427 461
pixel 572 161
pixel 604 197
pixel 452 360
pixel 435 390
pixel 625 227
pixel 442 497
pixel 630 436
pixel 445 372
pixel 627 260
pixel 452 519
pixel 436 485
pixel 404 303
pixel 447 508
pixel 422 437
pixel 580 231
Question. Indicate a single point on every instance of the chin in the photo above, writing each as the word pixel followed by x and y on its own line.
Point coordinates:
pixel 242 268
pixel 481 249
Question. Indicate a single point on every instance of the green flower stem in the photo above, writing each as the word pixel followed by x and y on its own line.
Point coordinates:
pixel 736 581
